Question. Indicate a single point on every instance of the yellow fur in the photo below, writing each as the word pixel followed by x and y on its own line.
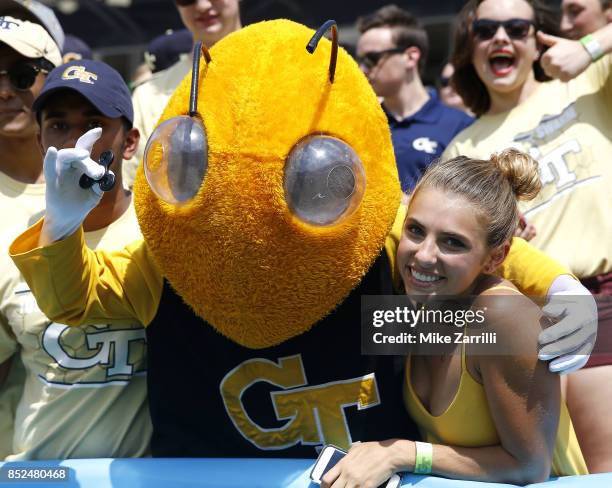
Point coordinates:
pixel 235 253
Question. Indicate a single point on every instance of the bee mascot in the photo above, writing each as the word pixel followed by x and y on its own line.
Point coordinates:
pixel 266 198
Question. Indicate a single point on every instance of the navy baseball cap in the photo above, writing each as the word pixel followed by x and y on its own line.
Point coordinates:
pixel 100 84
pixel 75 48
pixel 165 50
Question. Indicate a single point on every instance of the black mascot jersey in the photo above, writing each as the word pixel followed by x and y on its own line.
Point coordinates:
pixel 281 401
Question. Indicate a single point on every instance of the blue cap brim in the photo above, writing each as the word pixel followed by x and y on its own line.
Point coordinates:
pixel 105 107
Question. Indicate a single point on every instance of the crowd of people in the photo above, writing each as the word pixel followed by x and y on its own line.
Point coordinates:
pixel 510 147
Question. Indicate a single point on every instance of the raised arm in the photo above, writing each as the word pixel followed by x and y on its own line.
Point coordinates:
pixel 565 59
pixel 71 283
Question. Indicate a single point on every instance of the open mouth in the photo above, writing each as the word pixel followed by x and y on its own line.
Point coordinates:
pixel 501 63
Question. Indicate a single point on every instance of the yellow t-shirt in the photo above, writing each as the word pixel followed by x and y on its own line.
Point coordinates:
pixel 149 100
pixel 567 127
pixel 85 387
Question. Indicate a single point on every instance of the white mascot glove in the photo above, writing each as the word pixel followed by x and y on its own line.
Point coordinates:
pixel 67 204
pixel 572 339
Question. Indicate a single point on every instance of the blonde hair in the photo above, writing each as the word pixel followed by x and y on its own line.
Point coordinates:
pixel 493 186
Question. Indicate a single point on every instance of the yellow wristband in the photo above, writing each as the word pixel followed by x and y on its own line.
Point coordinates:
pixel 424 458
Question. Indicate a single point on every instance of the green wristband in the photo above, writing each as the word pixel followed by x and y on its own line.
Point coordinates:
pixel 424 458
pixel 592 46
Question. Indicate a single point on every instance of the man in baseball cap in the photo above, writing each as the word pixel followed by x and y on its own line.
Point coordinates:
pixel 27 53
pixel 97 82
pixel 34 12
pixel 83 109
pixel 29 40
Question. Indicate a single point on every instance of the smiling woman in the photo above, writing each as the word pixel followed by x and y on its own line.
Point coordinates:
pixel 486 417
pixel 502 48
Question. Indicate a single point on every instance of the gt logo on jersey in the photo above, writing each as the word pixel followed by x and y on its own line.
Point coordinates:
pixel 314 414
pixel 553 165
pixel 110 354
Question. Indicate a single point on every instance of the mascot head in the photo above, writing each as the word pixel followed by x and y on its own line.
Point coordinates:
pixel 286 200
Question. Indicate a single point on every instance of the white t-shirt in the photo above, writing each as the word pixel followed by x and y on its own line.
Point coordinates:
pixel 85 387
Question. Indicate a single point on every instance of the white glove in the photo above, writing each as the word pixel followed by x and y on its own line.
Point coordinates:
pixel 572 339
pixel 67 204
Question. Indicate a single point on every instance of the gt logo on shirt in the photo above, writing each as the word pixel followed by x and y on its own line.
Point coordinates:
pixel 109 352
pixel 314 414
pixel 425 144
pixel 553 165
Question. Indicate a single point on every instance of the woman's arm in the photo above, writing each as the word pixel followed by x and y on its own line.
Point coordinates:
pixel 524 400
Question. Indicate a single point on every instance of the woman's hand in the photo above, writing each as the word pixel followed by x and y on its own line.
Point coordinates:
pixel 369 464
pixel 564 59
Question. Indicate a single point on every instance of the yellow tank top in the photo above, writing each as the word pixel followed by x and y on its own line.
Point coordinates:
pixel 467 422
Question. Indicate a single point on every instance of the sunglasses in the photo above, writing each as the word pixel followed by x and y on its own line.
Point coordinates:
pixel 517 29
pixel 371 59
pixel 184 3
pixel 22 75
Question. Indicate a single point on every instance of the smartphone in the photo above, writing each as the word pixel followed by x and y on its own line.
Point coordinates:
pixel 394 482
pixel 330 456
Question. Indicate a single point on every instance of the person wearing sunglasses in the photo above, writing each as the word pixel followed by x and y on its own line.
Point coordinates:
pixel 392 52
pixel 208 21
pixel 504 53
pixel 27 53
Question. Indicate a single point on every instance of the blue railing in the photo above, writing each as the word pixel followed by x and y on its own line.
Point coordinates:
pixel 228 473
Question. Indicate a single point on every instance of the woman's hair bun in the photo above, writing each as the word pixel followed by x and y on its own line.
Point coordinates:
pixel 521 171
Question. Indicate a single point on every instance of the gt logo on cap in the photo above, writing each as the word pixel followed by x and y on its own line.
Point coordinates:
pixel 79 73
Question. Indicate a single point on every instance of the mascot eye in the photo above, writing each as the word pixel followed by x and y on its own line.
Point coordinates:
pixel 324 180
pixel 176 159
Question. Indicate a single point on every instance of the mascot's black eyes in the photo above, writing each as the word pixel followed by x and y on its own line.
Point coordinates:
pixel 324 180
pixel 176 159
